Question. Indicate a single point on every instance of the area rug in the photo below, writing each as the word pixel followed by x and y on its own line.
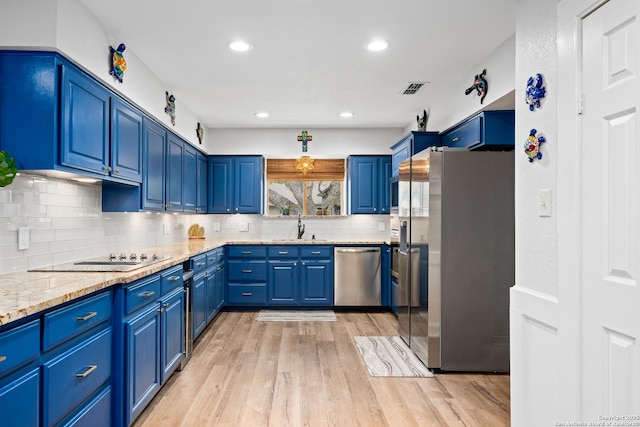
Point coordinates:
pixel 390 357
pixel 296 316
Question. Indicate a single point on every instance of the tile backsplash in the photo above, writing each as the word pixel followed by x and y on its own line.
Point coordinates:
pixel 66 223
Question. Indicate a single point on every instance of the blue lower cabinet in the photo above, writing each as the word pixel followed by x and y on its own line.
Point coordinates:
pixel 172 324
pixel 317 283
pixel 283 283
pixel 20 400
pixel 72 376
pixel 247 294
pixel 96 413
pixel 199 305
pixel 143 368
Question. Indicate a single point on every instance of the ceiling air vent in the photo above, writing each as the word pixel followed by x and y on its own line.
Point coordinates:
pixel 413 88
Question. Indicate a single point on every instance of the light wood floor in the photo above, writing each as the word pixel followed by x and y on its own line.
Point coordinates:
pixel 248 373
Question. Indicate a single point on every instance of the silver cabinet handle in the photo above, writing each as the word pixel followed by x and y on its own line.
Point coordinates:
pixel 117 170
pixel 146 294
pixel 456 139
pixel 283 252
pixel 108 169
pixel 246 271
pixel 174 278
pixel 315 252
pixel 166 304
pixel 247 294
pixel 87 317
pixel 246 252
pixel 356 251
pixel 200 264
pixel 89 370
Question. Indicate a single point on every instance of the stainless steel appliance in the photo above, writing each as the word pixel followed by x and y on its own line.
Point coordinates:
pixel 187 280
pixel 110 263
pixel 357 276
pixel 457 223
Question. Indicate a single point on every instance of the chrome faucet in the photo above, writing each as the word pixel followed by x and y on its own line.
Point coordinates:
pixel 300 228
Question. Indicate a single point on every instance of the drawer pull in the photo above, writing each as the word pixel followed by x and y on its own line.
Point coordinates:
pixel 283 252
pixel 219 269
pixel 174 278
pixel 246 271
pixel 199 264
pixel 207 275
pixel 211 259
pixel 87 317
pixel 166 304
pixel 247 294
pixel 3 358
pixel 89 370
pixel 456 139
pixel 315 252
pixel 147 294
pixel 246 252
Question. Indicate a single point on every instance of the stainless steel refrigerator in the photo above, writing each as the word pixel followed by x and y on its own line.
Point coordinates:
pixel 456 215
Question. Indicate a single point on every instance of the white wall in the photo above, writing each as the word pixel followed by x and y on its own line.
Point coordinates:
pixel 283 143
pixel 20 26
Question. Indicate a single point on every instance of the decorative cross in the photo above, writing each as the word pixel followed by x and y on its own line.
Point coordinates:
pixel 304 138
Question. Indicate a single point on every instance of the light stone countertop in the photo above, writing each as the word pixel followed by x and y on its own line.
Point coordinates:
pixel 25 293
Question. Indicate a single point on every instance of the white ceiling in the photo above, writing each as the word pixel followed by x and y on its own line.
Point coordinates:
pixel 308 63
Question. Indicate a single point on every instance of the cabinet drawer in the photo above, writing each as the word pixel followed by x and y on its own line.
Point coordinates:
pixel 283 251
pixel 141 293
pixel 307 252
pixel 248 294
pixel 213 257
pixel 465 135
pixel 247 252
pixel 96 413
pixel 74 375
pixel 198 264
pixel 19 346
pixel 65 323
pixel 170 279
pixel 247 271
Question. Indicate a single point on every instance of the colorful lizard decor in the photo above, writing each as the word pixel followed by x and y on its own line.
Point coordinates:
pixel 304 138
pixel 535 92
pixel 532 146
pixel 170 109
pixel 479 85
pixel 118 63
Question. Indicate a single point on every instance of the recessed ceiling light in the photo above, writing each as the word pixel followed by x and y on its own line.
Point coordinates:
pixel 262 115
pixel 377 45
pixel 239 46
pixel 346 114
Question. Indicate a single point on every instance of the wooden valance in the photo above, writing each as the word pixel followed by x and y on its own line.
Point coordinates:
pixel 323 170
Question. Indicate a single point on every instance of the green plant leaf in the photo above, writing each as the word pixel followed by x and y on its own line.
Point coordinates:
pixel 8 169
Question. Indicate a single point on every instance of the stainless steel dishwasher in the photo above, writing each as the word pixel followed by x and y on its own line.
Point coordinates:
pixel 357 276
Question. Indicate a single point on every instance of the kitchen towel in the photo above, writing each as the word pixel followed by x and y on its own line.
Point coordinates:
pixel 390 357
pixel 296 316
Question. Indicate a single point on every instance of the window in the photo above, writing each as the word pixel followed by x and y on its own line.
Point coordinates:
pixel 292 192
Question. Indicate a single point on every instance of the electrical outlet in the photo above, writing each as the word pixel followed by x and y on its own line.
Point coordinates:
pixel 244 226
pixel 165 229
pixel 216 226
pixel 23 238
pixel 381 226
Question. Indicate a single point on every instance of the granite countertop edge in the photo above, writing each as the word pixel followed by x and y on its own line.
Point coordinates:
pixel 25 293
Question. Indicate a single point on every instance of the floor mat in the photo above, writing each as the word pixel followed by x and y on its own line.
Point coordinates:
pixel 296 316
pixel 390 357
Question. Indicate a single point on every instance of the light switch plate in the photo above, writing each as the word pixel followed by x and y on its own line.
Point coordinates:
pixel 381 226
pixel 544 202
pixel 216 226
pixel 23 238
pixel 244 226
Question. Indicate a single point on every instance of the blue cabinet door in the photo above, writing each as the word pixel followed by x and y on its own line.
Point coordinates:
pixel 202 183
pixel 219 286
pixel 126 141
pixel 172 319
pixel 154 153
pixel 363 184
pixel 189 178
pixel 143 365
pixel 20 400
pixel 175 153
pixel 248 184
pixel 317 282
pixel 84 131
pixel 384 188
pixel 220 184
pixel 212 303
pixel 283 283
pixel 199 305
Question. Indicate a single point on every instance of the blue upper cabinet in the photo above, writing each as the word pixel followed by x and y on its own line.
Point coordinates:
pixel 189 178
pixel 154 153
pixel 126 140
pixel 202 183
pixel 488 130
pixel 368 184
pixel 235 184
pixel 53 116
pixel 175 153
pixel 411 144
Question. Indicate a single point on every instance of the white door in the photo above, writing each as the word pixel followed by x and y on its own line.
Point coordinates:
pixel 611 211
